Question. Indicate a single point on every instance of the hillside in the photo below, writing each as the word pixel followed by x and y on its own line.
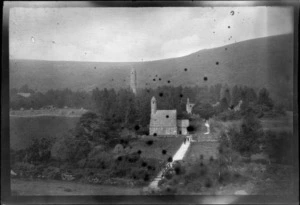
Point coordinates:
pixel 264 62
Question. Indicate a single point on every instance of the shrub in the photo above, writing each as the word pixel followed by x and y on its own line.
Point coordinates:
pixel 248 139
pixel 26 169
pixel 118 149
pixel 215 125
pixel 138 173
pixel 195 186
pixel 79 149
pixel 61 147
pixel 229 115
pixel 205 110
pixel 101 160
pixel 132 158
pixel 39 151
pixel 279 146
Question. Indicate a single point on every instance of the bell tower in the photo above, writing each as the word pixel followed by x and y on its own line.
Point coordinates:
pixel 189 106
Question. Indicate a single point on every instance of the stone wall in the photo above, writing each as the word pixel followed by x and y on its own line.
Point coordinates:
pixel 163 131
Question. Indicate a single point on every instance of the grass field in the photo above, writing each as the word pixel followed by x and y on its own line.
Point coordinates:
pixel 153 147
pixel 24 129
pixel 284 123
pixel 55 187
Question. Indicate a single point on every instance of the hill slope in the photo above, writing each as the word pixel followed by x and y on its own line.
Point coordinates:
pixel 265 62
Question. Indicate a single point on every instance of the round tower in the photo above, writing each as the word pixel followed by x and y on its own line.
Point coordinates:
pixel 133 80
pixel 153 105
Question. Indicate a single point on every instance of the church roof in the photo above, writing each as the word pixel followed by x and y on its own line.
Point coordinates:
pixel 164 118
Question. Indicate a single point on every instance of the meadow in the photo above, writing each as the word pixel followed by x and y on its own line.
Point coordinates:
pixel 24 129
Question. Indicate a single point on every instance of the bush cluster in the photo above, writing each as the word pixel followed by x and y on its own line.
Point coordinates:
pixel 278 146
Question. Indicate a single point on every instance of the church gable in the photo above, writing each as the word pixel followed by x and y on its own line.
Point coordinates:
pixel 163 118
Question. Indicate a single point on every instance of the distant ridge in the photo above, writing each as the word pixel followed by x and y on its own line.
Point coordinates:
pixel 264 62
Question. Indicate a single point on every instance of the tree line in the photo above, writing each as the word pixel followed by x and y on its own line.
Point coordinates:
pixel 123 107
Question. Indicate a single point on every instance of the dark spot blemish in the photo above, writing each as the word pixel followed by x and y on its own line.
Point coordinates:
pixel 150 142
pixel 181 95
pixel 208 184
pixel 137 127
pixel 167 116
pixel 154 134
pixel 185 69
pixel 164 151
pixel 144 164
pixel 139 152
pixel 146 178
pixel 205 78
pixel 169 81
pixel 161 94
pixel 120 158
pixel 190 128
pixel 217 63
pixel 170 159
pixel 232 13
pixel 177 170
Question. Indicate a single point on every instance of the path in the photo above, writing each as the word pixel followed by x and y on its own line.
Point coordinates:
pixel 179 155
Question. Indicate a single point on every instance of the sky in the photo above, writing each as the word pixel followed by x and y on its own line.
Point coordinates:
pixel 116 34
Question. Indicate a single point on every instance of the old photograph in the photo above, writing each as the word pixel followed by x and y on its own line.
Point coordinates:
pixel 151 100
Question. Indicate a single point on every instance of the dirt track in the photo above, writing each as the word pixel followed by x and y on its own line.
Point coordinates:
pixel 55 187
pixel 67 112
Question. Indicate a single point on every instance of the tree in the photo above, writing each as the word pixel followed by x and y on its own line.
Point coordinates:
pixel 279 146
pixel 223 104
pixel 39 151
pixel 205 110
pixel 235 95
pixel 264 99
pixel 25 89
pixel 248 139
pixel 91 127
pixel 225 93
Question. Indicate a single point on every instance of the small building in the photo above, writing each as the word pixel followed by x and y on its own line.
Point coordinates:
pixel 182 126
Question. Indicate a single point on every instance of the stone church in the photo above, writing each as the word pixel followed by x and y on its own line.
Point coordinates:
pixel 165 122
